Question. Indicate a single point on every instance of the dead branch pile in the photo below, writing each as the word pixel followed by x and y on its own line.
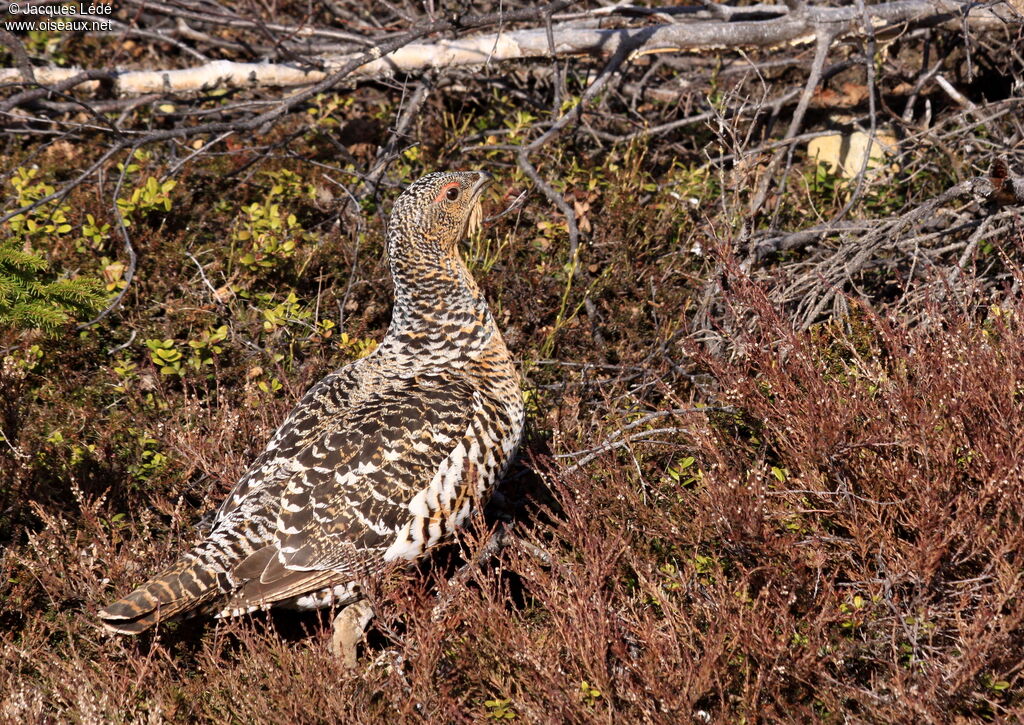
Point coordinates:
pixel 651 81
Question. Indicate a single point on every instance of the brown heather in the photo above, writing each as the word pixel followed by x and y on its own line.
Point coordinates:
pixel 879 579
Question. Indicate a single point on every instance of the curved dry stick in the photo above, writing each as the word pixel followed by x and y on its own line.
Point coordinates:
pixel 823 42
pixel 387 153
pixel 24 63
pixel 523 155
pixel 523 159
pixel 133 259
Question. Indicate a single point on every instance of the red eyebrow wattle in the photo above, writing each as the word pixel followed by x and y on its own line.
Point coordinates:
pixel 444 190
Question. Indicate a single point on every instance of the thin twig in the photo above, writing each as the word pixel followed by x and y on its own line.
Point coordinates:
pixel 129 273
pixel 206 281
pixel 387 153
pixel 639 437
pixel 823 41
pixel 869 66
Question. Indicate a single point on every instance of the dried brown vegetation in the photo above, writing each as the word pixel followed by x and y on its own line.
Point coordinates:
pixel 776 417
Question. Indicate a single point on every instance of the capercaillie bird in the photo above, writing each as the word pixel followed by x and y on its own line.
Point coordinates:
pixel 380 461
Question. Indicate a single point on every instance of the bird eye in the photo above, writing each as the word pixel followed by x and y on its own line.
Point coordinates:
pixel 453 193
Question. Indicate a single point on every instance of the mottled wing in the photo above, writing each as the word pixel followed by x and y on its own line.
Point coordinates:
pixel 318 409
pixel 399 462
pixel 361 492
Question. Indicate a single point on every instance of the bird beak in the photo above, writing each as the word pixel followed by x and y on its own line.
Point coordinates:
pixel 485 181
pixel 476 215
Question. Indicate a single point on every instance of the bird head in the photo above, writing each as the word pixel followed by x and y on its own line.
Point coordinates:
pixel 439 209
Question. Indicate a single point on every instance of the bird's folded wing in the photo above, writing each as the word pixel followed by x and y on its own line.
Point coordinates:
pixel 363 484
pixel 319 407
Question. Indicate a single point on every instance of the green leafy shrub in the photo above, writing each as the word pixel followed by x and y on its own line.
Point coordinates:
pixel 151 196
pixel 266 233
pixel 32 296
pixel 46 220
pixel 201 352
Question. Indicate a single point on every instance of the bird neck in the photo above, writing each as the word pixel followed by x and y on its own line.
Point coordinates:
pixel 436 299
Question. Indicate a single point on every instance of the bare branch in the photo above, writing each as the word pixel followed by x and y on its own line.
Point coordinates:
pixel 129 273
pixel 402 55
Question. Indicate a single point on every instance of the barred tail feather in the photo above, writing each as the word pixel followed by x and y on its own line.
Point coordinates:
pixel 183 587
